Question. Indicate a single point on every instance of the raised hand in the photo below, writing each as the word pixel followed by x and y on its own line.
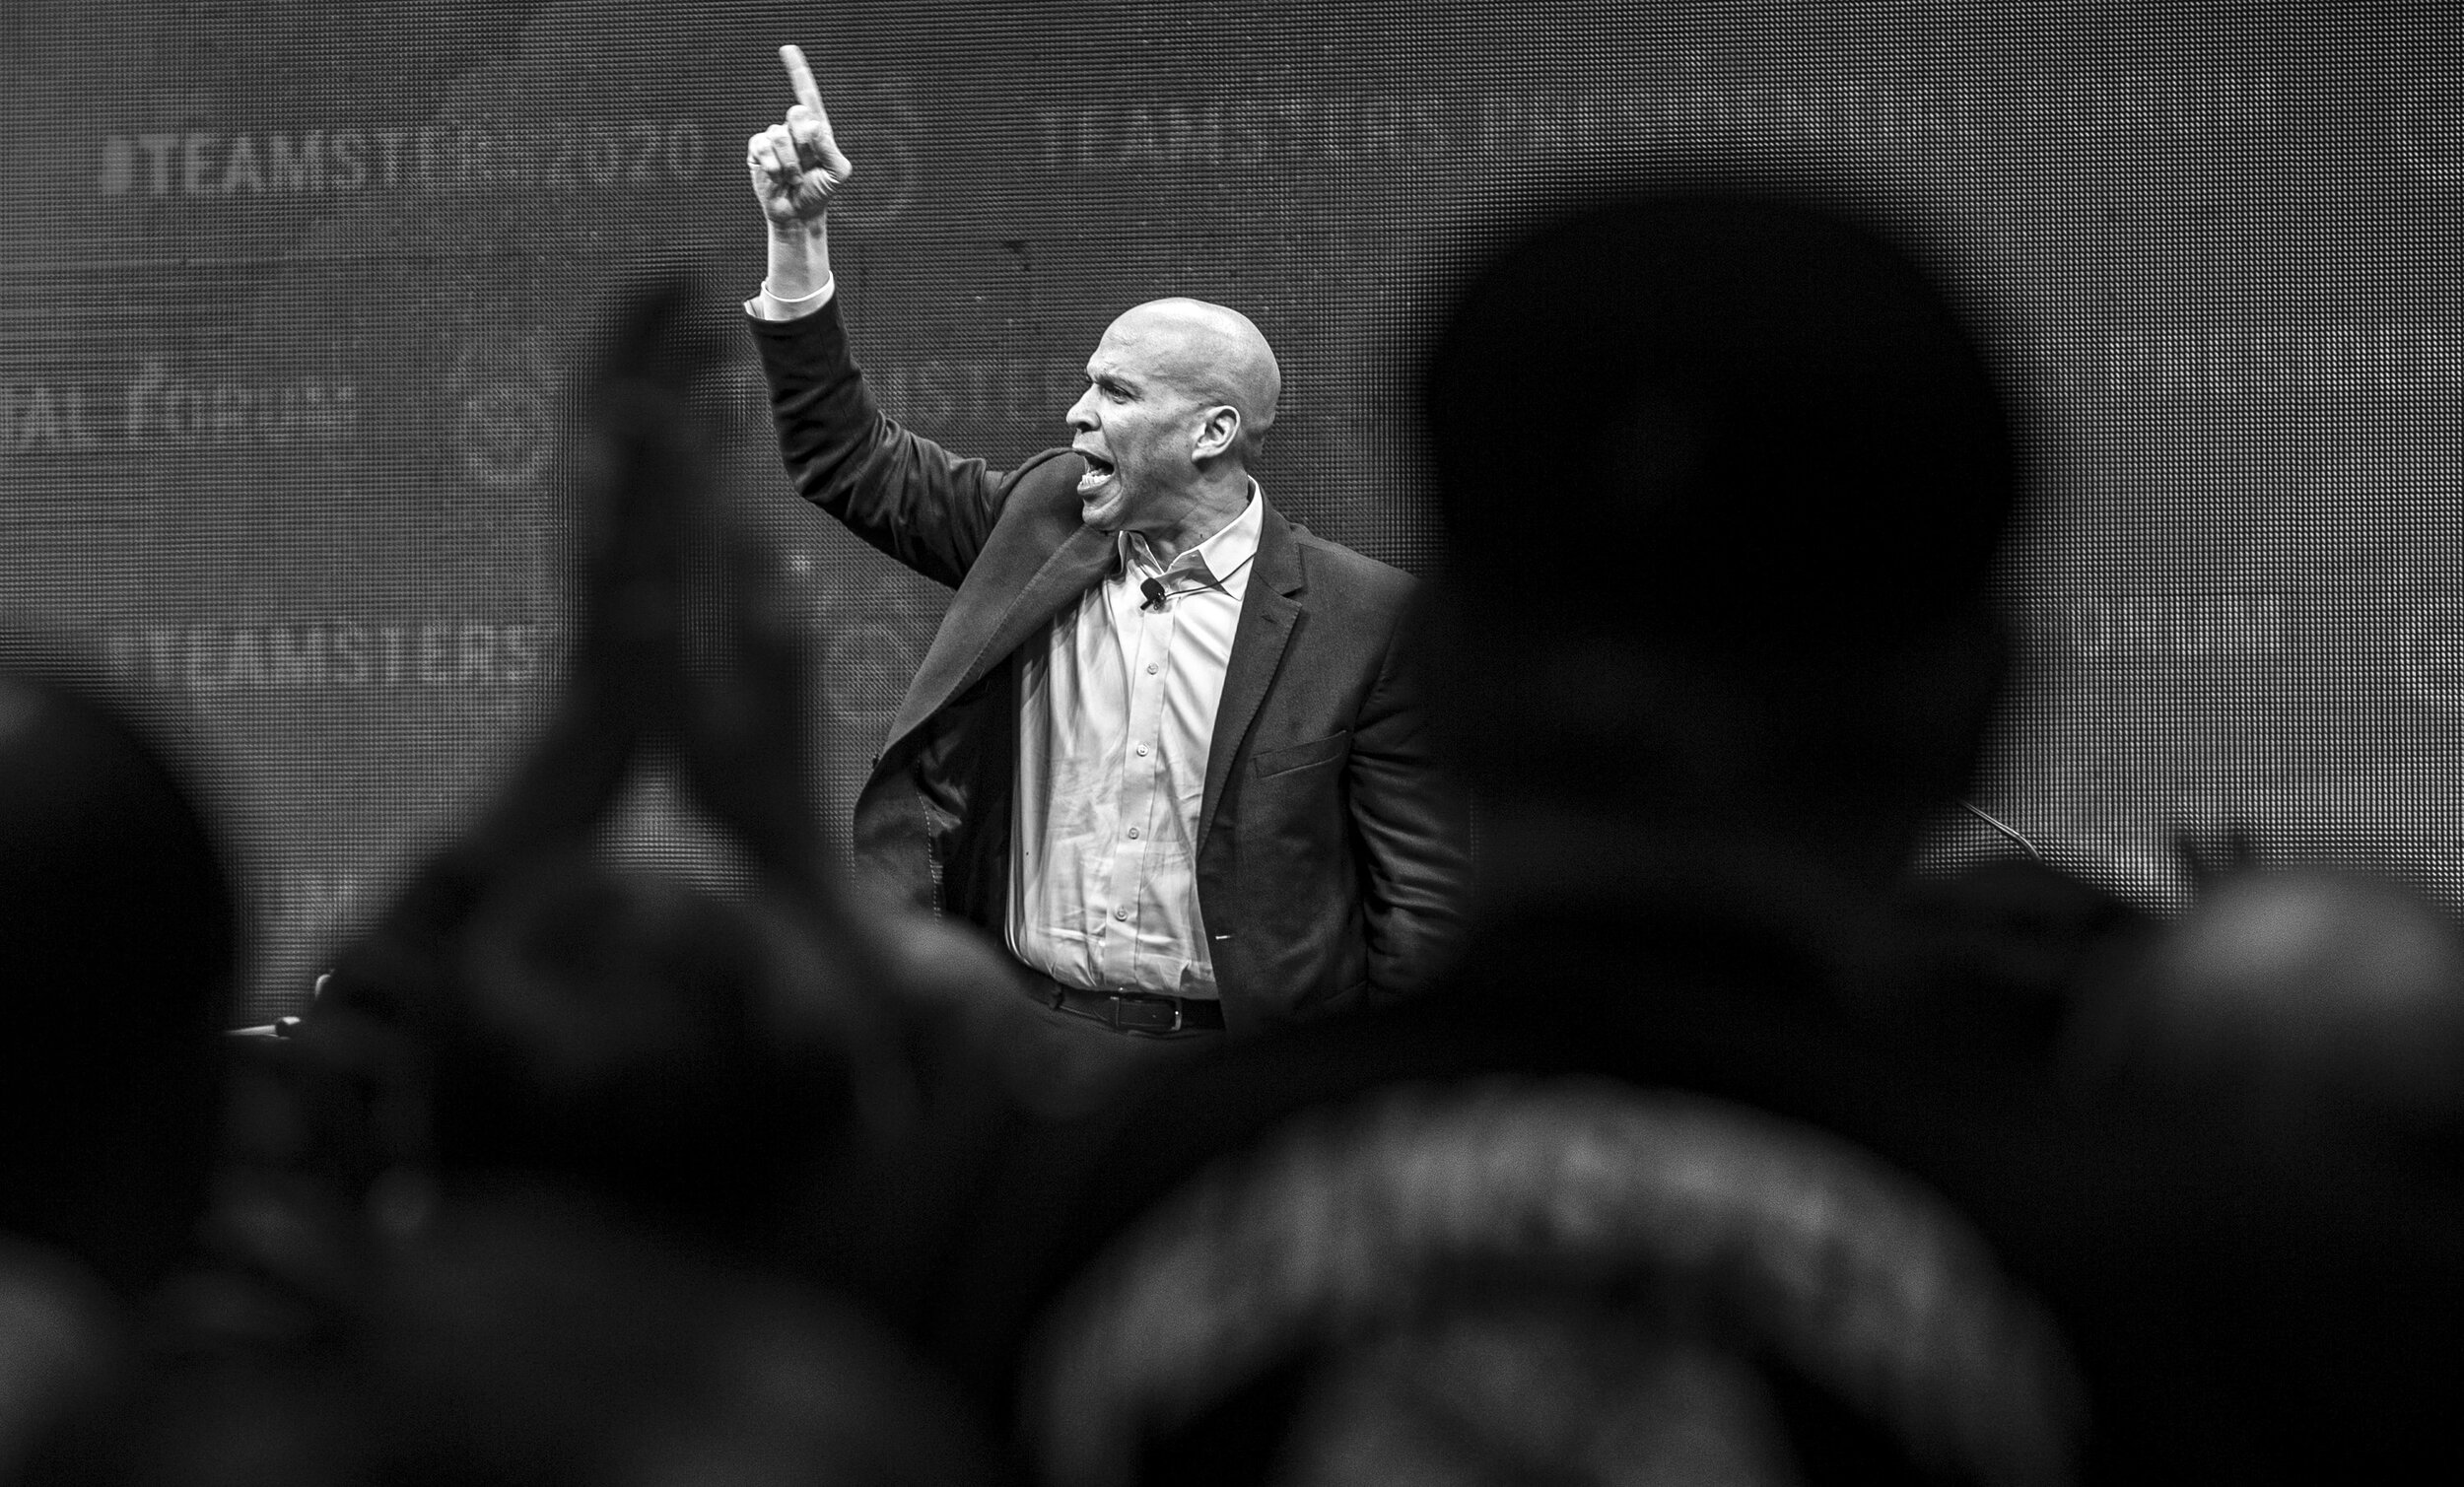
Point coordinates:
pixel 796 165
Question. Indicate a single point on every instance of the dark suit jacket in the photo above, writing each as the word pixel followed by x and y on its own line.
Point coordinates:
pixel 1330 852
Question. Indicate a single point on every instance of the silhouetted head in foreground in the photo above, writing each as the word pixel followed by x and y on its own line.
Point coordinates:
pixel 2296 994
pixel 1724 481
pixel 117 935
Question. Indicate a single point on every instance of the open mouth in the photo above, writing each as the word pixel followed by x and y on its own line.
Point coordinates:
pixel 1098 470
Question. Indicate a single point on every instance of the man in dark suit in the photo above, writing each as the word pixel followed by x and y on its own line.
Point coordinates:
pixel 1166 744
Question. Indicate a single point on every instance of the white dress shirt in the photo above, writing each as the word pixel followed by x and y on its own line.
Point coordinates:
pixel 1115 719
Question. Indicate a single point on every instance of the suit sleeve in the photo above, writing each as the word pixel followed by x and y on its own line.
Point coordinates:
pixel 896 489
pixel 1415 826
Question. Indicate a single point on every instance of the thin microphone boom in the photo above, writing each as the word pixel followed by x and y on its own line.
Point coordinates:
pixel 2012 832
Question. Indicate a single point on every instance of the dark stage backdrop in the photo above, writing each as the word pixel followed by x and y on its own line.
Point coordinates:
pixel 288 291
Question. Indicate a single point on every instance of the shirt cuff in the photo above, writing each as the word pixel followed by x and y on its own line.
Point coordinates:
pixel 765 306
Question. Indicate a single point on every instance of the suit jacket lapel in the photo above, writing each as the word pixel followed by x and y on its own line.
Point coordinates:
pixel 1269 616
pixel 983 627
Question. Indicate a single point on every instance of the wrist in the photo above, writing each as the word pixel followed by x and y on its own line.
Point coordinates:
pixel 794 232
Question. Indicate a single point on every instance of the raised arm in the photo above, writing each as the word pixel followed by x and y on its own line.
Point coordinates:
pixel 796 166
pixel 906 495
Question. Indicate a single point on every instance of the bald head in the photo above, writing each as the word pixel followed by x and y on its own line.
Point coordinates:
pixel 1211 353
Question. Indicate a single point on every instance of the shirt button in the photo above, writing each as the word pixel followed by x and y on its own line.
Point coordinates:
pixel 1121 913
pixel 1142 750
pixel 1150 668
pixel 1134 833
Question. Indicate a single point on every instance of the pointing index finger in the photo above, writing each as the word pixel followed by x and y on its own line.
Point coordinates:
pixel 800 75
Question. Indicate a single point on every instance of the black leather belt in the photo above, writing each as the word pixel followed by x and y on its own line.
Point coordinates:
pixel 1131 1011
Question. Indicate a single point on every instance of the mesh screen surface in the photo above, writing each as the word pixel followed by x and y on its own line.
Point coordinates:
pixel 291 292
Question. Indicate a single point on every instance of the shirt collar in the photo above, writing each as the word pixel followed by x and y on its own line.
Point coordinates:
pixel 1220 558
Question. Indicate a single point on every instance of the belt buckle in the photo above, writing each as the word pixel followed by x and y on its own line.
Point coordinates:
pixel 1123 999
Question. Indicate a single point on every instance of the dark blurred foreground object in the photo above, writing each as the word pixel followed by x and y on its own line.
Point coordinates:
pixel 117 956
pixel 529 1339
pixel 1995 959
pixel 519 1343
pixel 1709 724
pixel 777 1075
pixel 1726 479
pixel 1558 1281
pixel 525 1014
pixel 556 1136
pixel 2301 997
pixel 116 953
pixel 65 1353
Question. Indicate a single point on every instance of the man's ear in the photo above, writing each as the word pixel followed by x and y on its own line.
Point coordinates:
pixel 1218 431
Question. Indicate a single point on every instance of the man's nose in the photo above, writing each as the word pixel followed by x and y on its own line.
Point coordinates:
pixel 1080 417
